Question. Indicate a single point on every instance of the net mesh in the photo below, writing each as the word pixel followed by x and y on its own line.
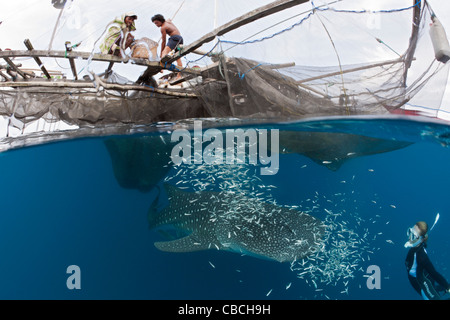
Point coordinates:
pixel 331 59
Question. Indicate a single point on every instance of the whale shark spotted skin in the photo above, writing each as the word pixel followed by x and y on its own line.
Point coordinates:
pixel 234 222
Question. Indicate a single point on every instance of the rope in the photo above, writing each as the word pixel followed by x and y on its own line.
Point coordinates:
pixel 308 16
pixel 276 24
pixel 173 17
pixel 273 35
pixel 381 41
pixel 54 30
pixel 340 65
pixel 418 3
pixel 311 12
pixel 243 75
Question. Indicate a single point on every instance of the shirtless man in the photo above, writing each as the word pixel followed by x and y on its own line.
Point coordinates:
pixel 168 28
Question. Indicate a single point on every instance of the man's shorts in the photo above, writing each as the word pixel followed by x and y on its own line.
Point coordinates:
pixel 174 41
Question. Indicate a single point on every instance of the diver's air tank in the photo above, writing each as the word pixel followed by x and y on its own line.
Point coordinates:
pixel 439 40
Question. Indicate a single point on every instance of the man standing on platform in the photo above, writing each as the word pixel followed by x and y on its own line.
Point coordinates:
pixel 168 28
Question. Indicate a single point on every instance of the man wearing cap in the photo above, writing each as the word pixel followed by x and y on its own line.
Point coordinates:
pixel 120 28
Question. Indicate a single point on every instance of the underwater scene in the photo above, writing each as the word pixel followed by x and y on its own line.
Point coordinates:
pixel 313 209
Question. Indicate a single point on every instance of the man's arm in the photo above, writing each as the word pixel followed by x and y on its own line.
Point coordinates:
pixel 163 39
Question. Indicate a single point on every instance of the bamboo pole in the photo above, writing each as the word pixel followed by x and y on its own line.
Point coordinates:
pixel 337 73
pixel 122 87
pixel 313 90
pixel 93 85
pixel 281 65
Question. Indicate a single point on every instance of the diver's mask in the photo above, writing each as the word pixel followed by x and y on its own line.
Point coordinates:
pixel 414 238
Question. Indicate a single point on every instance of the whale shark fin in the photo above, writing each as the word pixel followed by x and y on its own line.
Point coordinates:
pixel 189 243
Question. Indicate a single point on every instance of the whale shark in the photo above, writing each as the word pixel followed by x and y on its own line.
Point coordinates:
pixel 235 222
pixel 333 149
pixel 144 161
pixel 140 162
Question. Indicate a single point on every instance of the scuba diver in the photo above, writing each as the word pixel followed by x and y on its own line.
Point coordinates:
pixel 421 273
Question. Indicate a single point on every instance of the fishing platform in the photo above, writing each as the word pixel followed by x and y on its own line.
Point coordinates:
pixel 16 77
pixel 153 67
pixel 225 86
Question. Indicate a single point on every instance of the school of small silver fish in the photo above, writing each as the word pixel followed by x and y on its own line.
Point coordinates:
pixel 340 255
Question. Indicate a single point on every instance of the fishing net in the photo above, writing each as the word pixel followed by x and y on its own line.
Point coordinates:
pixel 316 59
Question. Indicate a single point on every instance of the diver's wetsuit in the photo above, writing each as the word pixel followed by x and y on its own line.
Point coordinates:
pixel 422 275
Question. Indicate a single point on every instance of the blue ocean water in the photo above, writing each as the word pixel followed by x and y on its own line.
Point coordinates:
pixel 64 204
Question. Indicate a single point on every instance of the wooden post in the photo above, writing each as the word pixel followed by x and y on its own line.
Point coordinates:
pixel 74 68
pixel 108 71
pixel 37 59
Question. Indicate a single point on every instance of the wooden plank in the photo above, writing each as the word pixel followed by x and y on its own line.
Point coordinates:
pixel 37 59
pixel 251 16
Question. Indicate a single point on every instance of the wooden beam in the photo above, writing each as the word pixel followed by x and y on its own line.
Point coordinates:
pixel 251 16
pixel 5 76
pixel 47 84
pixel 181 80
pixel 77 54
pixel 122 87
pixel 37 59
pixel 12 65
pixel 93 85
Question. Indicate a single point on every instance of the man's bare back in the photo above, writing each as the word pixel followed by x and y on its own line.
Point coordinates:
pixel 169 28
